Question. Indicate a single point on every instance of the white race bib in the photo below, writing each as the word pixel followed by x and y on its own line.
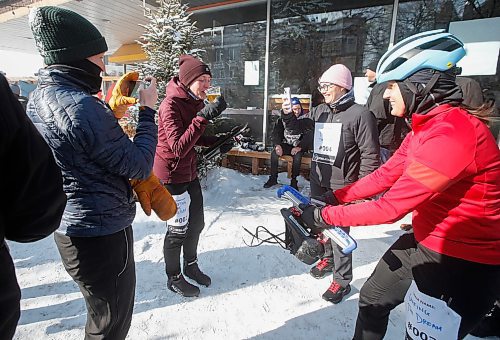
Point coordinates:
pixel 428 318
pixel 326 142
pixel 180 218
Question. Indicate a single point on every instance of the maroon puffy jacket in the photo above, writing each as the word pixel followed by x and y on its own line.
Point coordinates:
pixel 179 130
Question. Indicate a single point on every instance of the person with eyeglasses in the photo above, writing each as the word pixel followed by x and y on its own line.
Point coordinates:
pixel 345 148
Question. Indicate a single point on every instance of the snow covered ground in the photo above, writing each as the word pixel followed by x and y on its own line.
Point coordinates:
pixel 256 293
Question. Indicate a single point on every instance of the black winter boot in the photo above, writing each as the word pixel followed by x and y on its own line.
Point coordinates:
pixel 192 271
pixel 179 285
pixel 273 180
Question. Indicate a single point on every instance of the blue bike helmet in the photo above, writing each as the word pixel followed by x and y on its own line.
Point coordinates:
pixel 437 50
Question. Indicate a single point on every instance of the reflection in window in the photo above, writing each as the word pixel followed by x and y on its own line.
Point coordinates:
pixel 309 36
pixel 226 53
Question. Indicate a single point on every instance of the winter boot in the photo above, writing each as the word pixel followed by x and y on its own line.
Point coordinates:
pixel 335 293
pixel 293 184
pixel 273 180
pixel 322 268
pixel 489 325
pixel 178 284
pixel 192 271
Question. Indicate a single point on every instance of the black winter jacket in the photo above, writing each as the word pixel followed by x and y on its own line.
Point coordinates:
pixel 391 130
pixel 290 129
pixel 32 200
pixel 96 157
pixel 358 153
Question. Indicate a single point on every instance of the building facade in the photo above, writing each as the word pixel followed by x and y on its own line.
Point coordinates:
pixel 256 48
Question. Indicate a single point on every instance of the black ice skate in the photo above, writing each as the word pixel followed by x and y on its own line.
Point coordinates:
pixel 179 285
pixel 192 271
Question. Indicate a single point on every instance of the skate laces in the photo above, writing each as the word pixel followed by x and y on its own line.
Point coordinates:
pixel 322 264
pixel 334 287
pixel 269 237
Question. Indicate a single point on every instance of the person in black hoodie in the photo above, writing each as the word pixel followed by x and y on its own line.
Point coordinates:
pixel 346 148
pixel 33 200
pixel 391 129
pixel 287 138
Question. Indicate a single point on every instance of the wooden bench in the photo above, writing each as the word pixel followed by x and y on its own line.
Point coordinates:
pixel 258 157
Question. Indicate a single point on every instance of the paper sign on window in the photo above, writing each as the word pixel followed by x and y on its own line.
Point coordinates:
pixel 252 72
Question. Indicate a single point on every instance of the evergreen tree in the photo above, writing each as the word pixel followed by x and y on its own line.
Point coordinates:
pixel 169 33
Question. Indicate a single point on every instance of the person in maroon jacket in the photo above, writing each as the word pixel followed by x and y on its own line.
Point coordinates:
pixel 183 117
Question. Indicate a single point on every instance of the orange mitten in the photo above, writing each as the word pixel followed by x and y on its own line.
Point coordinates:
pixel 119 102
pixel 153 195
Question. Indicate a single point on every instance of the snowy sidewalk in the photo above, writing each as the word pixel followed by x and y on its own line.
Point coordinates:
pixel 256 293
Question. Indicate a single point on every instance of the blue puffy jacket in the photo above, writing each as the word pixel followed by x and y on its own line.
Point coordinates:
pixel 96 157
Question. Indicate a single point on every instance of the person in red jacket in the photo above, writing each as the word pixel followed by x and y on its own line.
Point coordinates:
pixel 447 173
pixel 182 119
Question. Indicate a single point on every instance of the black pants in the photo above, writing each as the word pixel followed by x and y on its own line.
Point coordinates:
pixel 185 237
pixel 342 263
pixel 287 150
pixel 469 288
pixel 104 269
pixel 10 294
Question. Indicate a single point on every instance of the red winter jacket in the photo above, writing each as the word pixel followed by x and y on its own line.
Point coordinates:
pixel 179 130
pixel 447 171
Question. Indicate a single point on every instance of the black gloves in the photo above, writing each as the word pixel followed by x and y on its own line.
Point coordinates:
pixel 213 110
pixel 311 216
pixel 328 197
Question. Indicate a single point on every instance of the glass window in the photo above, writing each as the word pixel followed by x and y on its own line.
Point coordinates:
pixel 419 16
pixel 307 37
pixel 237 35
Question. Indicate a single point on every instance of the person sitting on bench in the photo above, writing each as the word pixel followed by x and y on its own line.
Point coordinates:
pixel 287 139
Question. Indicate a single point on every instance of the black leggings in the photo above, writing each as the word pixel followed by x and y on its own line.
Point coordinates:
pixel 185 238
pixel 469 288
